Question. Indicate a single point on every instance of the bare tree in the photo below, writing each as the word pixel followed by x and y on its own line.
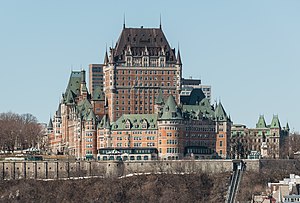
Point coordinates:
pixel 18 131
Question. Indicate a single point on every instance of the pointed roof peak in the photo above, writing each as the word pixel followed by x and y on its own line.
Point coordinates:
pixel 50 124
pixel 261 123
pixel 178 61
pixel 275 122
pixel 220 113
pixel 106 58
pixel 170 110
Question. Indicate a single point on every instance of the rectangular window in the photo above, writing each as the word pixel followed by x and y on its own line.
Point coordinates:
pixel 221 143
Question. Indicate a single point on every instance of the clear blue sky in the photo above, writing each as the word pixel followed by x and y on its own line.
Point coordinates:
pixel 249 51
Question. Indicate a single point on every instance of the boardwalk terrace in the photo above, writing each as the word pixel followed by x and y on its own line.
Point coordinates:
pixel 139 106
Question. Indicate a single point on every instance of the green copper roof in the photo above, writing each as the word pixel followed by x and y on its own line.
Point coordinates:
pixel 170 110
pixel 136 122
pixel 275 122
pixel 220 114
pixel 159 99
pixel 74 83
pixel 204 107
pixel 104 123
pixel 98 94
pixel 70 99
pixel 83 108
pixel 261 122
pixel 91 115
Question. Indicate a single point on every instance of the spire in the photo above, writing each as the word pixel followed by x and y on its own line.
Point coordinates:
pixel 124 21
pixel 111 58
pixel 287 126
pixel 50 125
pixel 159 21
pixel 106 58
pixel 178 61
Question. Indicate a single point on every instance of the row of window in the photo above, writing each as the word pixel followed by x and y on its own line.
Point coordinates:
pixel 146 72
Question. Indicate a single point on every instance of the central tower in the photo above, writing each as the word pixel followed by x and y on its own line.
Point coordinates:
pixel 140 67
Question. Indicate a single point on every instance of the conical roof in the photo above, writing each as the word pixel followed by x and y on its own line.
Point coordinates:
pixel 261 122
pixel 98 94
pixel 220 114
pixel 50 125
pixel 91 115
pixel 275 122
pixel 106 58
pixel 178 60
pixel 58 112
pixel 170 110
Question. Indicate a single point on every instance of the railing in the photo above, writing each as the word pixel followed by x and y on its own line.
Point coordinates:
pixel 234 183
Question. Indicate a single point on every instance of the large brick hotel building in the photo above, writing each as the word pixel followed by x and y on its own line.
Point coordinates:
pixel 134 105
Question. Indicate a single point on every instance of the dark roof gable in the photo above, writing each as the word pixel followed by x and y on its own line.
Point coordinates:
pixel 139 38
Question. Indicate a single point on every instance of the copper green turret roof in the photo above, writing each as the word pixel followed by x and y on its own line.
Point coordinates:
pixel 83 108
pixel 91 115
pixel 104 123
pixel 261 122
pixel 70 98
pixel 98 94
pixel 275 122
pixel 170 110
pixel 159 99
pixel 220 114
pixel 74 83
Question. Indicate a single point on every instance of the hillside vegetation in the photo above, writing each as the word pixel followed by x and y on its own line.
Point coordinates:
pixel 144 188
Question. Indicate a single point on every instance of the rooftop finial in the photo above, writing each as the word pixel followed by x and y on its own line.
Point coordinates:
pixel 124 20
pixel 160 21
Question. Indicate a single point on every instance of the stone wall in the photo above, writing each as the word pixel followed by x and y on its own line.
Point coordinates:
pixel 69 169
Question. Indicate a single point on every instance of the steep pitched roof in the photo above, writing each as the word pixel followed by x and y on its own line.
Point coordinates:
pixel 204 106
pixel 58 112
pixel 170 110
pixel 98 94
pixel 104 123
pixel 261 122
pixel 106 58
pixel 159 99
pixel 74 83
pixel 136 122
pixel 50 125
pixel 194 98
pixel 83 108
pixel 275 122
pixel 178 60
pixel 139 38
pixel 91 115
pixel 220 114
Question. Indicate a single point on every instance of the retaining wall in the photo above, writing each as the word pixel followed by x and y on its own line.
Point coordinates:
pixel 69 169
